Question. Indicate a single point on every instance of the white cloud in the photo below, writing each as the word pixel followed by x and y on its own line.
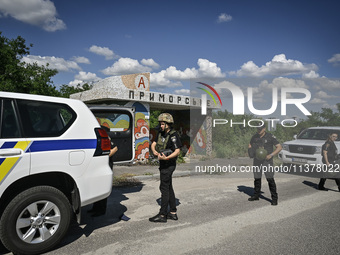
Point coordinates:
pixel 324 95
pixel 328 84
pixel 81 60
pixel 317 101
pixel 326 105
pixel 41 13
pixel 172 73
pixel 223 17
pixel 182 91
pixel 84 77
pixel 281 82
pixel 150 62
pixel 126 66
pixel 103 51
pixel 87 76
pixel 223 88
pixel 278 66
pixel 75 83
pixel 311 75
pixel 159 80
pixel 335 59
pixel 209 69
pixel 206 69
pixel 54 63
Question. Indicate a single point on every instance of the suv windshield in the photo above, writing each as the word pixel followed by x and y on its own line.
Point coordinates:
pixel 317 134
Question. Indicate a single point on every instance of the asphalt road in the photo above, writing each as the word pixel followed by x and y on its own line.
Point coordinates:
pixel 214 218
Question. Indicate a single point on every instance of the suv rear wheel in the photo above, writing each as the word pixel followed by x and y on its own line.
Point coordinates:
pixel 35 220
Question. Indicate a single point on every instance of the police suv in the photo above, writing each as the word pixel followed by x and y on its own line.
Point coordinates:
pixel 53 161
pixel 306 148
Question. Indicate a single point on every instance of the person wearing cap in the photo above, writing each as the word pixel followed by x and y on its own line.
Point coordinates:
pixel 167 148
pixel 262 142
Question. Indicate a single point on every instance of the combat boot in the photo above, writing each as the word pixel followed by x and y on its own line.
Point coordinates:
pixel 253 198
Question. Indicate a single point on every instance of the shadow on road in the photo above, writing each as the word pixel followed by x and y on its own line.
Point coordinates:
pixel 115 211
pixel 316 186
pixel 311 184
pixel 250 191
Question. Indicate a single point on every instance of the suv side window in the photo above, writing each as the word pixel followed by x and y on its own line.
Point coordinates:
pixel 9 122
pixel 44 119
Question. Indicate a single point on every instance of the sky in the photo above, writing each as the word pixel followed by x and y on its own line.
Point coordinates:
pixel 268 41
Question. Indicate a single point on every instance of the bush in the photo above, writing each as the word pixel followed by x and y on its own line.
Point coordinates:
pixel 231 142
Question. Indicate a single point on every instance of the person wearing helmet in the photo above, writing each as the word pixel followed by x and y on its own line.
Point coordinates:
pixel 261 149
pixel 167 148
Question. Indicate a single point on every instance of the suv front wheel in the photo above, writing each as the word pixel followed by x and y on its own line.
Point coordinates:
pixel 35 220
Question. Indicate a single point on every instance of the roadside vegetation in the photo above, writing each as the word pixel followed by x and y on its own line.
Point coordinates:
pixel 125 180
pixel 232 142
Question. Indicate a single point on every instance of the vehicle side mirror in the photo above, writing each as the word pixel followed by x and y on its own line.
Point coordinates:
pixel 295 137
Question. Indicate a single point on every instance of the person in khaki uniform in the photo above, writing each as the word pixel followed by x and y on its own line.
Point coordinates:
pixel 167 148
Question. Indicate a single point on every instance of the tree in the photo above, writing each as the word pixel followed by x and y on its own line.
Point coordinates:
pixel 67 90
pixel 154 118
pixel 18 76
pixel 327 117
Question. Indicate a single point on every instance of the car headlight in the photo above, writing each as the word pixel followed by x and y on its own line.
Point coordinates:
pixel 318 149
pixel 285 147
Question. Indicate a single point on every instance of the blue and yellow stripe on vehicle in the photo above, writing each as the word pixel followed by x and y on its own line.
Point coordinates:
pixel 56 145
pixel 8 163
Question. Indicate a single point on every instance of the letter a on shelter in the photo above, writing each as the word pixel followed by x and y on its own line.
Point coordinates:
pixel 141 82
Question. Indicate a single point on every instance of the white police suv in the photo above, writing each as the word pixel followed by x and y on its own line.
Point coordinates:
pixel 306 148
pixel 53 161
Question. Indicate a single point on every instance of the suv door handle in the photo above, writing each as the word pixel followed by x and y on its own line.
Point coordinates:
pixel 10 152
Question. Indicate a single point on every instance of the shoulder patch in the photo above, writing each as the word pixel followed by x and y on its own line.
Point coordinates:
pixel 174 139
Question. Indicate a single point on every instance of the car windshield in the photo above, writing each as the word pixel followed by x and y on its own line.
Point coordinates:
pixel 317 134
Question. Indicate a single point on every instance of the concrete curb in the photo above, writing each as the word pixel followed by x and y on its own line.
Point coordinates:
pixel 156 176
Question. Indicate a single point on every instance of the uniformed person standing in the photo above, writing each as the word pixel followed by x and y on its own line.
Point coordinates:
pixel 167 148
pixel 329 154
pixel 262 142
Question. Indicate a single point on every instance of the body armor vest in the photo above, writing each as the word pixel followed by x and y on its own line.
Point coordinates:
pixel 162 142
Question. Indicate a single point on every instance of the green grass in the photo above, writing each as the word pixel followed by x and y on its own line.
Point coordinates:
pixel 125 180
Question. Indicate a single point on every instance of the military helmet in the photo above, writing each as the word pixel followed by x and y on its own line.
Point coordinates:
pixel 166 117
pixel 261 154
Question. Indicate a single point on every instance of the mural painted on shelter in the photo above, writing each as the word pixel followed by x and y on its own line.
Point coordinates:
pixel 199 142
pixel 141 130
pixel 116 123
